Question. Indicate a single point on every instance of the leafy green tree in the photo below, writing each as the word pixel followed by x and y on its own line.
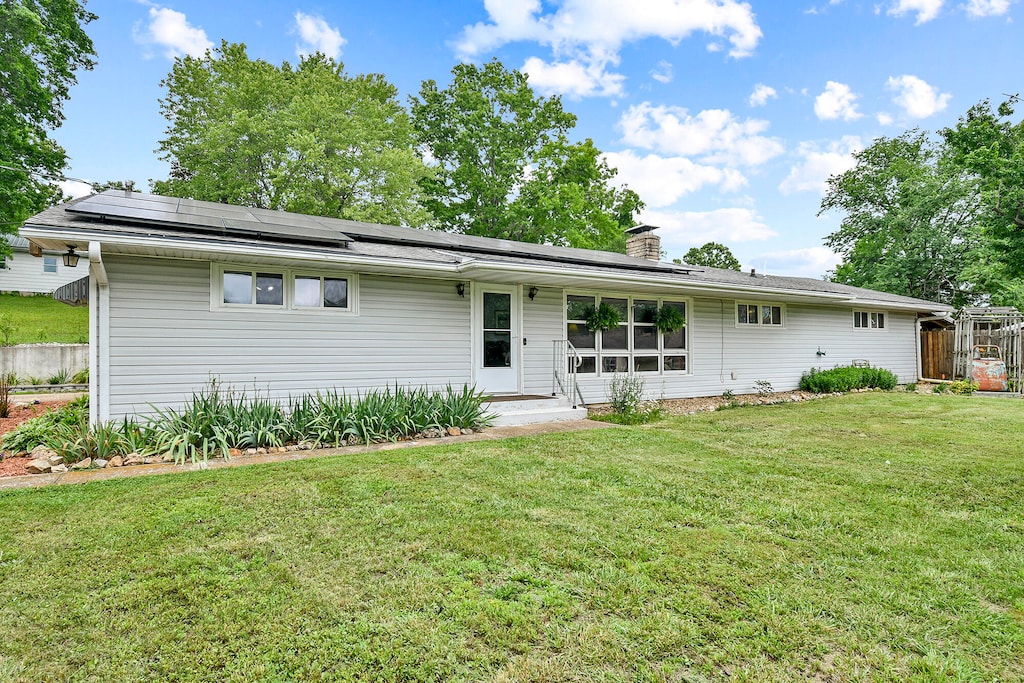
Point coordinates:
pixel 989 147
pixel 309 138
pixel 42 44
pixel 504 165
pixel 909 223
pixel 712 255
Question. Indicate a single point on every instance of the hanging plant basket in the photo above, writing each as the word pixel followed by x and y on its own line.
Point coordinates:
pixel 669 319
pixel 604 317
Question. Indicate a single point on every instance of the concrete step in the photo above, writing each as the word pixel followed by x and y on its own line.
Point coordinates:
pixel 534 411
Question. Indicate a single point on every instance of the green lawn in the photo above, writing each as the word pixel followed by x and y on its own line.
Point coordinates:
pixel 42 319
pixel 868 537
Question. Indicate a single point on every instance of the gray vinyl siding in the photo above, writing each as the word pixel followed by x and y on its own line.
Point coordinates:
pixel 778 355
pixel 166 342
pixel 24 273
pixel 542 324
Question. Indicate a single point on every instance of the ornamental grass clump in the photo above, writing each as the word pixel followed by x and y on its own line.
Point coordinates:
pixel 847 378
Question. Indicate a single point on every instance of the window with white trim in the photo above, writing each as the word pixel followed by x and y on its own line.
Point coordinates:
pixel 635 345
pixel 49 264
pixel 759 314
pixel 241 287
pixel 869 320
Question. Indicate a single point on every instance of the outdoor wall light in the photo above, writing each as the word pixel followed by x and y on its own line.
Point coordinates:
pixel 532 293
pixel 71 258
pixel 460 288
pixel 819 352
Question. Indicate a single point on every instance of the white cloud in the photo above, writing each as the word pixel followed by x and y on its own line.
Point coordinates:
pixel 317 36
pixel 916 98
pixel 75 188
pixel 809 262
pixel 680 230
pixel 837 102
pixel 663 72
pixel 661 181
pixel 816 164
pixel 589 31
pixel 762 93
pixel 171 30
pixel 977 9
pixel 926 9
pixel 884 118
pixel 715 134
pixel 574 78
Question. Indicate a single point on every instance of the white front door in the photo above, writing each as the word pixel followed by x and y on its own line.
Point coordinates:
pixel 496 356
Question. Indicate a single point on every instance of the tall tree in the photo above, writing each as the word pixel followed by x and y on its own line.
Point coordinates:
pixel 309 138
pixel 504 165
pixel 988 146
pixel 909 224
pixel 42 44
pixel 712 255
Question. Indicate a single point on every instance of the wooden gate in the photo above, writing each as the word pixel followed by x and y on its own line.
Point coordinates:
pixel 937 354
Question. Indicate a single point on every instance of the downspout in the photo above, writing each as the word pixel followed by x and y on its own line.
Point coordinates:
pixel 99 327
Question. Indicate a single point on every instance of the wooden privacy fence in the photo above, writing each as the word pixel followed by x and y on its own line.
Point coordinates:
pixel 937 354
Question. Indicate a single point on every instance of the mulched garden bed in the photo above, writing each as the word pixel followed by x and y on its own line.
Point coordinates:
pixel 22 409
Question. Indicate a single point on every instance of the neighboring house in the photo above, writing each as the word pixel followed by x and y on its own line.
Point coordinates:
pixel 28 274
pixel 184 291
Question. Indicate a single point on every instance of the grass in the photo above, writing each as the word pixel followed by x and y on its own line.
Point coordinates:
pixel 866 537
pixel 42 319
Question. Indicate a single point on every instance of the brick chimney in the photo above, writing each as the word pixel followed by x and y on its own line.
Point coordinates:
pixel 643 243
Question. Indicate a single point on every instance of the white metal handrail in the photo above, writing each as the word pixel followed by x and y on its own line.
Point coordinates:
pixel 565 362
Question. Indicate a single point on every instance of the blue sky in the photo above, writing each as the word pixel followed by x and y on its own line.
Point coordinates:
pixel 726 117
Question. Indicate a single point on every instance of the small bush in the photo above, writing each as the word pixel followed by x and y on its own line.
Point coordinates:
pixel 728 394
pixel 940 388
pixel 41 430
pixel 963 387
pixel 81 377
pixel 847 378
pixel 62 377
pixel 763 387
pixel 7 380
pixel 910 388
pixel 626 396
pixel 6 329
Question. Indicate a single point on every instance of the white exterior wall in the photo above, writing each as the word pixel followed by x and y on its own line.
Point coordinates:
pixel 166 342
pixel 718 348
pixel 24 273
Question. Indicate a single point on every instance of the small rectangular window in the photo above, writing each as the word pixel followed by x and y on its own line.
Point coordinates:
pixel 645 364
pixel 588 366
pixel 762 315
pixel 675 363
pixel 269 289
pixel 49 264
pixel 312 291
pixel 615 364
pixel 237 288
pixel 869 320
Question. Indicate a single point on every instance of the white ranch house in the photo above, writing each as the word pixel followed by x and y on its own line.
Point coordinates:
pixel 183 291
pixel 27 274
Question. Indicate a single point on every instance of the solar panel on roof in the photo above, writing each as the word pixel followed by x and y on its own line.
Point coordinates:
pixel 207 218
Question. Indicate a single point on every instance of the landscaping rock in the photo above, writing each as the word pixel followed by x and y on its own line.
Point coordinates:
pixel 167 457
pixel 100 463
pixel 116 461
pixel 250 451
pixel 56 459
pixel 44 452
pixel 58 469
pixel 38 466
pixel 134 459
pixel 454 431
pixel 234 452
pixel 150 459
pixel 82 464
pixel 467 430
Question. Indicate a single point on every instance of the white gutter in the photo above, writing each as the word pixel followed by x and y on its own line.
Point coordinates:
pixel 467 266
pixel 99 336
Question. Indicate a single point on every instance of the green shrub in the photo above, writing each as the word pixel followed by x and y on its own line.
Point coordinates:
pixel 963 387
pixel 940 388
pixel 81 377
pixel 847 378
pixel 62 377
pixel 763 387
pixel 626 396
pixel 41 430
pixel 7 380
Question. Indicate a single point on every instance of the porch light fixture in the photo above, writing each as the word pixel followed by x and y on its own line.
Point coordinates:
pixel 460 288
pixel 71 258
pixel 532 293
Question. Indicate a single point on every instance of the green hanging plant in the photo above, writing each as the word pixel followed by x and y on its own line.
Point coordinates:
pixel 669 319
pixel 604 317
